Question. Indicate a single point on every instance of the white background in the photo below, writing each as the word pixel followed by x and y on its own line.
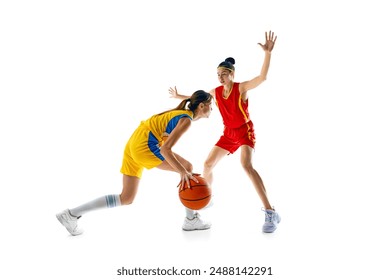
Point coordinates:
pixel 77 77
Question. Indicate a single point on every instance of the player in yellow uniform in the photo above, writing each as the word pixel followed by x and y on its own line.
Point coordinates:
pixel 151 146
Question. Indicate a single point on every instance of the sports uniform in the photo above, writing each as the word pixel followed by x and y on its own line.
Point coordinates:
pixel 239 128
pixel 143 148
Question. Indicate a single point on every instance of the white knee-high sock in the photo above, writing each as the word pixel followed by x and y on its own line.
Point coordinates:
pixel 108 201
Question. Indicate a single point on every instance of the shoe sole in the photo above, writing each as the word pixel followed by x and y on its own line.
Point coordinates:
pixel 196 229
pixel 265 231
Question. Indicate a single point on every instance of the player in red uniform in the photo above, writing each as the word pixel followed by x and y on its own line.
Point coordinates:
pixel 232 101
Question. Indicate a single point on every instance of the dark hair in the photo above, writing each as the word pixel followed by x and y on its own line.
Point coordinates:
pixel 228 64
pixel 199 96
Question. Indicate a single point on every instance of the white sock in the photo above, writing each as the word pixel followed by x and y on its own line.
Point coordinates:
pixel 108 201
pixel 190 214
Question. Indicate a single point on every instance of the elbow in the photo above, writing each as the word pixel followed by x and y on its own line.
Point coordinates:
pixel 164 151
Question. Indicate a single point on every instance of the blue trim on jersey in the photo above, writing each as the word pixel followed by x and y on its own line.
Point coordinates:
pixel 153 145
pixel 173 122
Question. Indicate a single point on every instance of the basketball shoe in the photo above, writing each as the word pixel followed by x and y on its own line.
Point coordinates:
pixel 272 219
pixel 195 224
pixel 69 222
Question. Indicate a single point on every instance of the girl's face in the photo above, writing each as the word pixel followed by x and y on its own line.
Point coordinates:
pixel 204 110
pixel 224 76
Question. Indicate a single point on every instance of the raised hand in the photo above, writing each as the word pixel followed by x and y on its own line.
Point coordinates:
pixel 269 41
pixel 173 92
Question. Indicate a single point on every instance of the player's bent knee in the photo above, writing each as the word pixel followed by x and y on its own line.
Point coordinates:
pixel 208 165
pixel 126 200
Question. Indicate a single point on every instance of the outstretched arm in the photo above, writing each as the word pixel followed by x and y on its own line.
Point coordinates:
pixel 256 81
pixel 175 94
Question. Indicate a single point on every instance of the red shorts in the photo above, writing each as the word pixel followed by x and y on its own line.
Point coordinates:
pixel 233 138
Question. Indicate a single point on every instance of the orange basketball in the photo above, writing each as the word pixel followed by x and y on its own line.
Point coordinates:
pixel 196 197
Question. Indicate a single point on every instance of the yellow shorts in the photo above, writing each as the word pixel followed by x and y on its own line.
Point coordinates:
pixel 141 151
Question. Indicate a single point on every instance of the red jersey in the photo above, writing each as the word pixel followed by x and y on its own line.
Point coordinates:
pixel 233 110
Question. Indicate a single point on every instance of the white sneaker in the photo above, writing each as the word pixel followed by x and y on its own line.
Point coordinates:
pixel 272 219
pixel 195 224
pixel 69 222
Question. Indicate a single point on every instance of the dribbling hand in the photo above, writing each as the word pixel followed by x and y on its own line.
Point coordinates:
pixel 185 180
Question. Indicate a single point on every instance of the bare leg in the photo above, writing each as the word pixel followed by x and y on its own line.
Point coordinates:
pixel 131 183
pixel 215 155
pixel 130 188
pixel 246 161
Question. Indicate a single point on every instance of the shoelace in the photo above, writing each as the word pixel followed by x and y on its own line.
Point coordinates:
pixel 268 217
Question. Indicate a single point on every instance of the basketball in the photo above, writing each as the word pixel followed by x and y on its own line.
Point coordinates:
pixel 196 197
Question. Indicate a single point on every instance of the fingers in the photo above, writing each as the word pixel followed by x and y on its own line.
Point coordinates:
pixel 172 91
pixel 190 177
pixel 185 181
pixel 194 178
pixel 270 40
pixel 270 36
pixel 183 184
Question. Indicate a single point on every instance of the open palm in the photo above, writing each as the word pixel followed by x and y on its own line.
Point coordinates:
pixel 269 41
